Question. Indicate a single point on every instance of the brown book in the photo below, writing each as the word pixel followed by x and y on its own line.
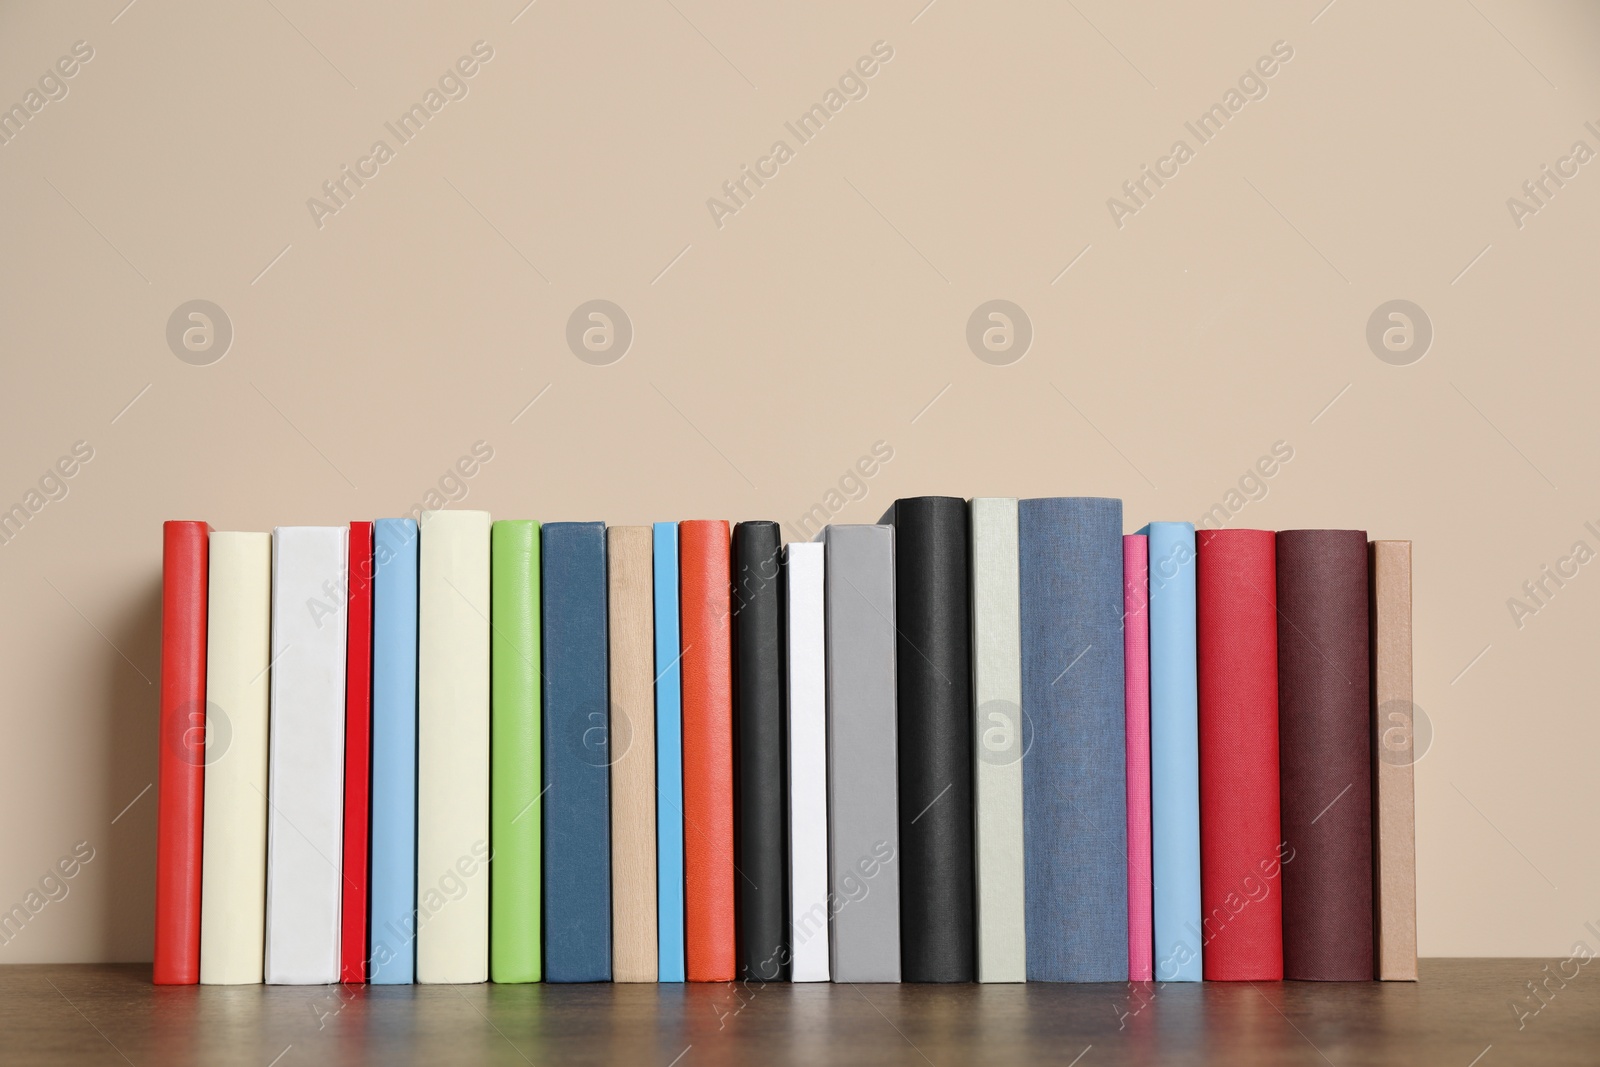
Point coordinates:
pixel 631 744
pixel 1394 829
pixel 1325 755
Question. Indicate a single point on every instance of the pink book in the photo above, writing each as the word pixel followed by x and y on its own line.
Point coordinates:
pixel 1136 658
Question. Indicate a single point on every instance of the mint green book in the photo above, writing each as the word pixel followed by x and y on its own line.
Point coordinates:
pixel 515 819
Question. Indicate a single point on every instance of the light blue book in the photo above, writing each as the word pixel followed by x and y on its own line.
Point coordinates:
pixel 669 759
pixel 1174 753
pixel 393 918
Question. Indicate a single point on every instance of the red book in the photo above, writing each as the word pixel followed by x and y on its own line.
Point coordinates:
pixel 707 668
pixel 180 763
pixel 1241 885
pixel 357 755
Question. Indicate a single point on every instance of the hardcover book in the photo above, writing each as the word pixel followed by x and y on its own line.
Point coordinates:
pixel 632 756
pixel 305 825
pixel 807 762
pixel 577 755
pixel 393 899
pixel 1239 839
pixel 1394 846
pixel 669 757
pixel 863 793
pixel 758 701
pixel 357 754
pixel 1174 755
pixel 516 778
pixel 1136 659
pixel 180 760
pixel 1075 822
pixel 1000 740
pixel 707 667
pixel 1325 755
pixel 933 602
pixel 233 902
pixel 453 748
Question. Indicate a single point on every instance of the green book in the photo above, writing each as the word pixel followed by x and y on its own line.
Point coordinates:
pixel 515 820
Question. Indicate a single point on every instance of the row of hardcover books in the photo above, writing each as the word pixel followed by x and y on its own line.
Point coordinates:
pixel 990 740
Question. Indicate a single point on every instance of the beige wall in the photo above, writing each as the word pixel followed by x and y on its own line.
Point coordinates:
pixel 823 316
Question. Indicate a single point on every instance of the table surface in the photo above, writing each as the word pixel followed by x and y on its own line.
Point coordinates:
pixel 1462 1012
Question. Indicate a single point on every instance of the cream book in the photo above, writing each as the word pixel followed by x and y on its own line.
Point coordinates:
pixel 233 880
pixel 305 820
pixel 998 741
pixel 630 629
pixel 453 748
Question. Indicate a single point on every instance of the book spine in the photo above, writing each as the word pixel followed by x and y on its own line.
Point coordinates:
pixel 998 741
pixel 933 701
pixel 1236 600
pixel 758 640
pixel 305 825
pixel 357 754
pixel 453 748
pixel 632 756
pixel 1174 755
pixel 233 898
pixel 393 902
pixel 1394 757
pixel 180 791
pixel 1075 820
pixel 1325 754
pixel 707 664
pixel 807 762
pixel 1136 660
pixel 669 757
pixel 863 793
pixel 515 775
pixel 577 808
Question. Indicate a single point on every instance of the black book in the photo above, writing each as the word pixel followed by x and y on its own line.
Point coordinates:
pixel 933 660
pixel 759 819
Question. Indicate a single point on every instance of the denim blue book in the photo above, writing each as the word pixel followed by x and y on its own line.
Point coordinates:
pixel 1074 802
pixel 577 800
pixel 392 929
pixel 1174 753
pixel 669 759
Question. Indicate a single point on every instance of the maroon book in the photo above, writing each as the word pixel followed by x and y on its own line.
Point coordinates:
pixel 1325 755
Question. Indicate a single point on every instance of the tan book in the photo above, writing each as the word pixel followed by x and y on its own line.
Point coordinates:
pixel 1394 838
pixel 633 754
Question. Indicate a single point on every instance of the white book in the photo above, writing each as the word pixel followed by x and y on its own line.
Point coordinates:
pixel 998 741
pixel 305 821
pixel 453 748
pixel 233 878
pixel 808 763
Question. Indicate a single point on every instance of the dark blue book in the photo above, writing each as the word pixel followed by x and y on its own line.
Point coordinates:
pixel 577 803
pixel 1074 802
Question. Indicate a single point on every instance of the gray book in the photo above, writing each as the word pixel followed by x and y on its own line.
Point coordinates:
pixel 863 805
pixel 999 741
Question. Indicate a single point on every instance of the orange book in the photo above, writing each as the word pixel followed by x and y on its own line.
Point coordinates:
pixel 707 666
